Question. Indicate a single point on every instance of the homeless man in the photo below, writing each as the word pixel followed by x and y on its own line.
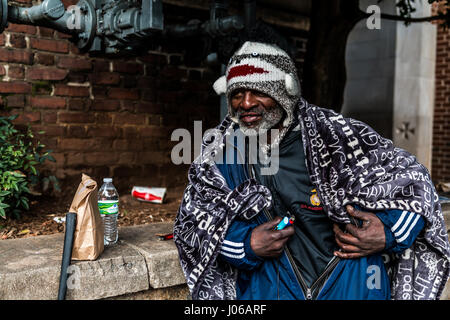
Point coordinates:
pixel 367 220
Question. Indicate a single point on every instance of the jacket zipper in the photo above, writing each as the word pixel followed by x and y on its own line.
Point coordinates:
pixel 307 291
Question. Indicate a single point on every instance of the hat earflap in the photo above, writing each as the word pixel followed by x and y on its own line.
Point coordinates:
pixel 292 87
pixel 220 86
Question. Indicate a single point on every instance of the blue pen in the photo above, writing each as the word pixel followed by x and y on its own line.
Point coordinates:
pixel 287 221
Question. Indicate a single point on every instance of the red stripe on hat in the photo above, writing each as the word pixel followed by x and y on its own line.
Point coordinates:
pixel 244 70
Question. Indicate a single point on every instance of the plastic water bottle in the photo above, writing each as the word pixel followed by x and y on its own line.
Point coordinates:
pixel 108 204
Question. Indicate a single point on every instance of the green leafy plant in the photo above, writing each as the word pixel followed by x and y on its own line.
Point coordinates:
pixel 20 157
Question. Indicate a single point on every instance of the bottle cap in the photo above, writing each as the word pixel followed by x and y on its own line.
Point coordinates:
pixel 107 179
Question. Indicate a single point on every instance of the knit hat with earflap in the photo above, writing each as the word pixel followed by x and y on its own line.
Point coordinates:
pixel 265 68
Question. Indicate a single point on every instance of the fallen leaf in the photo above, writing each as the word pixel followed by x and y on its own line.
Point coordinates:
pixel 25 231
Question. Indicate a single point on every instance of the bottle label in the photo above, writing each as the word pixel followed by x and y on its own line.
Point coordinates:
pixel 108 206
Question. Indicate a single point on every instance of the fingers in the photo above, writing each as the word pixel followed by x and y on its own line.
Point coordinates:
pixel 345 238
pixel 348 248
pixel 345 255
pixel 272 224
pixel 362 215
pixel 282 236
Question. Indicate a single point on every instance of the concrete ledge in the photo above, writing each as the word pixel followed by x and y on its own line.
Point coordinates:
pixel 137 267
pixel 30 267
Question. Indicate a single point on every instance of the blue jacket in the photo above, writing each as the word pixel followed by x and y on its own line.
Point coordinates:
pixel 350 279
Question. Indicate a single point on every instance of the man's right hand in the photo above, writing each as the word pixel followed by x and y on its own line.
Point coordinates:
pixel 267 242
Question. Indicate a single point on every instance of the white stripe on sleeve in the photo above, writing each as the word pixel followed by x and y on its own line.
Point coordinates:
pixel 233 244
pixel 399 221
pixel 411 215
pixel 240 250
pixel 409 230
pixel 233 255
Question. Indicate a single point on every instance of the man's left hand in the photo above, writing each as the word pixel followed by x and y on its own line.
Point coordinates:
pixel 360 241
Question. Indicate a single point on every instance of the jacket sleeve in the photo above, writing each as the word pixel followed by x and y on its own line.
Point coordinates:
pixel 401 228
pixel 236 248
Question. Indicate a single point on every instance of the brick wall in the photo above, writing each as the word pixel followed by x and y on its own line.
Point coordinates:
pixel 441 126
pixel 109 117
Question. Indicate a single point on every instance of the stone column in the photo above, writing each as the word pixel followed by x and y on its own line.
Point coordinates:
pixel 390 79
pixel 414 86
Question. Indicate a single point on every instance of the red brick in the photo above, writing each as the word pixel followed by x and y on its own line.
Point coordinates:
pixel 44 58
pixel 74 144
pixel 103 118
pixel 173 73
pixel 52 131
pixel 149 107
pixel 155 157
pixel 46 32
pixel 105 105
pixel 99 92
pixel 46 73
pixel 122 93
pixel 130 132
pixel 101 65
pixel 46 102
pixel 153 131
pixel 16 101
pixel 152 58
pixel 128 67
pixel 16 56
pixel 23 28
pixel 28 117
pixel 75 158
pixel 61 35
pixel 105 78
pixel 17 41
pixel 100 158
pixel 75 117
pixel 78 104
pixel 74 63
pixel 127 145
pixel 154 119
pixel 104 131
pixel 129 118
pixel 49 117
pixel 74 131
pixel 78 144
pixel 72 91
pixel 15 72
pixel 15 87
pixel 126 158
pixel 2 70
pixel 60 46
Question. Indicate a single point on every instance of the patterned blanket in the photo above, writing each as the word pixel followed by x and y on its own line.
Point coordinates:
pixel 349 163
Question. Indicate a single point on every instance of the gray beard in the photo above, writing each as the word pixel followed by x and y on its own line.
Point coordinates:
pixel 270 118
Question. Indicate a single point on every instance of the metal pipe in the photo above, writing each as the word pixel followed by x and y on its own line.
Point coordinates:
pixel 50 13
pixel 220 26
pixel 250 14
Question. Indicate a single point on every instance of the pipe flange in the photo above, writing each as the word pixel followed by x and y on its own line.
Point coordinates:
pixel 87 34
pixel 3 15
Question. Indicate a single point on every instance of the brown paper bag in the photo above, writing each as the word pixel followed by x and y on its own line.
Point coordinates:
pixel 88 238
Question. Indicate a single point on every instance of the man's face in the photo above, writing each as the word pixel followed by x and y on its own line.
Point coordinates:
pixel 255 111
